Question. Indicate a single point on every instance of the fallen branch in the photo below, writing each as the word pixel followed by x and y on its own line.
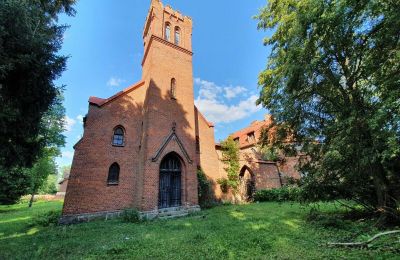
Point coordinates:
pixel 365 242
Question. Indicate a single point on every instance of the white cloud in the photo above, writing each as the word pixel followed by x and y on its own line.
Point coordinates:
pixel 80 119
pixel 69 123
pixel 115 82
pixel 216 109
pixel 68 154
pixel 231 92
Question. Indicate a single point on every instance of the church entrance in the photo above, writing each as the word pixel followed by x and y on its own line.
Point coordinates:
pixel 247 184
pixel 170 182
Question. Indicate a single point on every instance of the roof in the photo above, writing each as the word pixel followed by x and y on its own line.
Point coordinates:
pixel 101 101
pixel 210 124
pixel 255 127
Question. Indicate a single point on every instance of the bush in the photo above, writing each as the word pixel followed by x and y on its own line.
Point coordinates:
pixel 49 218
pixel 131 215
pixel 286 193
pixel 206 199
pixel 223 184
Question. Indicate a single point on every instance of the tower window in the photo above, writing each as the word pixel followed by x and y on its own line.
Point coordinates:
pixel 177 36
pixel 167 32
pixel 118 137
pixel 173 88
pixel 113 174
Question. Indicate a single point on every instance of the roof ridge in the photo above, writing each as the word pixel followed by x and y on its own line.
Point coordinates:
pixel 102 101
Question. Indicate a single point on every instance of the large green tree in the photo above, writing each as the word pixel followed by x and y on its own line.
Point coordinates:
pixel 30 40
pixel 332 83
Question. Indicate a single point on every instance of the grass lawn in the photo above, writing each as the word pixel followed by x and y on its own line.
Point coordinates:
pixel 264 230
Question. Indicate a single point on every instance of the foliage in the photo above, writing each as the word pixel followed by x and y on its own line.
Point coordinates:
pixel 332 84
pixel 49 218
pixel 230 157
pixel 49 186
pixel 64 171
pixel 14 183
pixel 260 230
pixel 269 153
pixel 223 184
pixel 30 40
pixel 19 181
pixel 131 215
pixel 285 193
pixel 204 190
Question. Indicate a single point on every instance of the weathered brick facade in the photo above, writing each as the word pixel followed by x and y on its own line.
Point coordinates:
pixel 159 120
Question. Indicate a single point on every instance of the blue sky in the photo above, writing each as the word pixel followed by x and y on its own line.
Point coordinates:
pixel 105 46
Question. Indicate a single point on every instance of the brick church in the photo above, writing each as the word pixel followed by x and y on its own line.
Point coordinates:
pixel 141 148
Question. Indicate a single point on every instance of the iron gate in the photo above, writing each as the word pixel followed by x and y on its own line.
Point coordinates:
pixel 170 182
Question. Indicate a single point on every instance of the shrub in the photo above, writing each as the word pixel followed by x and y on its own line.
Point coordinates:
pixel 131 215
pixel 223 184
pixel 286 193
pixel 49 218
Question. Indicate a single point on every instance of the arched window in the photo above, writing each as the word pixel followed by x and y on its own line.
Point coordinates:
pixel 167 32
pixel 173 88
pixel 177 36
pixel 113 174
pixel 118 137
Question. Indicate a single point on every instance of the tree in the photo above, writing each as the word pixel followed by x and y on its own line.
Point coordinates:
pixel 19 180
pixel 39 173
pixel 230 157
pixel 29 63
pixel 332 83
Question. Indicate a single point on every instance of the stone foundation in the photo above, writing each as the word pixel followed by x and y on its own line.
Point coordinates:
pixel 153 214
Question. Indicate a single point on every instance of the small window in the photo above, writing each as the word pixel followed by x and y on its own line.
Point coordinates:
pixel 118 137
pixel 251 137
pixel 173 88
pixel 113 174
pixel 236 139
pixel 177 36
pixel 197 144
pixel 167 32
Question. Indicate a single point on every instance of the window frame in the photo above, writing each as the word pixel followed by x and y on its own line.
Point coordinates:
pixel 177 40
pixel 114 181
pixel 113 136
pixel 172 88
pixel 167 36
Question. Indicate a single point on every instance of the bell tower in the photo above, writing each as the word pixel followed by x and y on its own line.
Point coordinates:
pixel 168 115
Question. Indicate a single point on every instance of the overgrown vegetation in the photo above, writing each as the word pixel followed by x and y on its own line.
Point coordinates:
pixel 285 193
pixel 205 196
pixel 230 157
pixel 332 83
pixel 131 215
pixel 259 230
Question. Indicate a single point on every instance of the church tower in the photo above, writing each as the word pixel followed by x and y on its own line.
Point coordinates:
pixel 167 169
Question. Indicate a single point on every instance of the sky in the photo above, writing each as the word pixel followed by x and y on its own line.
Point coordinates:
pixel 105 48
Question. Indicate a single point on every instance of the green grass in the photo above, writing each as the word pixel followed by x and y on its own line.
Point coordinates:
pixel 263 230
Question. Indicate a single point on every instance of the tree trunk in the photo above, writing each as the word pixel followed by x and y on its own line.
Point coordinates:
pixel 31 200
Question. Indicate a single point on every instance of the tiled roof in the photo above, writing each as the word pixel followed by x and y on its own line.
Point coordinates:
pixel 255 127
pixel 101 101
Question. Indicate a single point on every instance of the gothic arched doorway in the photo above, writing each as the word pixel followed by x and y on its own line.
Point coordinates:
pixel 170 182
pixel 247 185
